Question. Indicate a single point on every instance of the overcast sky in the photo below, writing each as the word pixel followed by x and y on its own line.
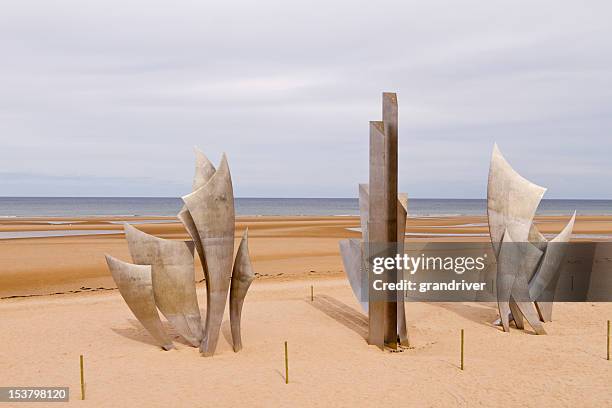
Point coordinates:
pixel 108 98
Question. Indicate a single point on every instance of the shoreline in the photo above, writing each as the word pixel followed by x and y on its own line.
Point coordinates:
pixel 283 247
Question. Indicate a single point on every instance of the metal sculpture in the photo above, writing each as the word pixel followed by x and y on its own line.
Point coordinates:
pixel 209 218
pixel 353 256
pixel 516 261
pixel 402 214
pixel 212 210
pixel 527 266
pixel 136 287
pixel 173 279
pixel 242 277
pixel 383 220
pixel 204 170
pixel 544 282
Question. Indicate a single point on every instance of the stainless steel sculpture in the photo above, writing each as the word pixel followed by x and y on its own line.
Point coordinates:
pixel 242 276
pixel 511 201
pixel 212 210
pixel 173 279
pixel 204 170
pixel 528 267
pixel 383 221
pixel 544 282
pixel 209 218
pixel 402 214
pixel 353 256
pixel 136 287
pixel 515 263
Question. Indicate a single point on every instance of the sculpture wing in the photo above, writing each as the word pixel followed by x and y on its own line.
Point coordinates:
pixel 173 279
pixel 543 285
pixel 212 209
pixel 136 288
pixel 352 258
pixel 242 276
pixel 514 262
pixel 204 170
pixel 511 201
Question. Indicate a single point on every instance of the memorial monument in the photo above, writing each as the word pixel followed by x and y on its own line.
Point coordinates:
pixel 528 265
pixel 162 276
pixel 383 222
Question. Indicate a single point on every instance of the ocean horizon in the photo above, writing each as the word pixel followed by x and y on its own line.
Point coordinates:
pixel 170 206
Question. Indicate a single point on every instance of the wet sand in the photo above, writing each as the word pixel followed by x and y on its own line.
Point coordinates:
pixel 281 247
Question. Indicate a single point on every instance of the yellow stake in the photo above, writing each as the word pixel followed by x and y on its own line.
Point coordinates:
pixel 82 380
pixel 462 349
pixel 286 365
pixel 608 340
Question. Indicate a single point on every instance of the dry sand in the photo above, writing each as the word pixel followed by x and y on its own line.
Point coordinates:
pixel 330 362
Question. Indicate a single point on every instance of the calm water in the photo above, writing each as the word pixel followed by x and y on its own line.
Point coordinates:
pixel 68 206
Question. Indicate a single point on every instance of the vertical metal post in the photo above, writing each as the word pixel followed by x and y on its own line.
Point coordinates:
pixel 376 230
pixel 382 222
pixel 389 114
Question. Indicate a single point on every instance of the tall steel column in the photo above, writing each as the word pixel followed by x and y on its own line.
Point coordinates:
pixel 382 222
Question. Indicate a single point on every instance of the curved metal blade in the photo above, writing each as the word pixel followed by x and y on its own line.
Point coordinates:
pixel 515 262
pixel 173 279
pixel 544 283
pixel 242 276
pixel 204 170
pixel 352 258
pixel 136 288
pixel 212 209
pixel 511 201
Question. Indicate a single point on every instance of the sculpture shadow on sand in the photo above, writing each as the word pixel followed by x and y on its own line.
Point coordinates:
pixel 342 313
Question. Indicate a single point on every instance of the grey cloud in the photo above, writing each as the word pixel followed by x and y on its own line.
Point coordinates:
pixel 121 91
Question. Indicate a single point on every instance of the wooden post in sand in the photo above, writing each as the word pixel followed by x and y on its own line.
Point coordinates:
pixel 82 380
pixel 311 293
pixel 462 343
pixel 608 340
pixel 286 364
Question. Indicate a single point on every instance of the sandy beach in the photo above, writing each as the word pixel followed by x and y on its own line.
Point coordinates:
pixel 59 302
pixel 281 247
pixel 183 184
pixel 330 362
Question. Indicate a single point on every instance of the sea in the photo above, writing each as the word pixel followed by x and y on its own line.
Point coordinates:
pixel 170 206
